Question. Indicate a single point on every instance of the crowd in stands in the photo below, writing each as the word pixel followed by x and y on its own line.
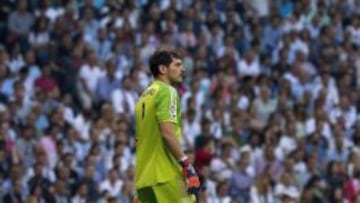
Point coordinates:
pixel 270 102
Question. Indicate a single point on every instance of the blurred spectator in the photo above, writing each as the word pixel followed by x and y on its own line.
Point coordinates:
pixel 191 128
pixel 285 189
pixel 124 99
pixel 205 154
pixel 337 195
pixel 107 83
pixel 19 22
pixel 262 190
pixel 208 184
pixel 223 165
pixel 81 194
pixel 16 194
pixel 112 185
pixel 222 193
pixel 90 73
pixel 241 180
pixel 351 190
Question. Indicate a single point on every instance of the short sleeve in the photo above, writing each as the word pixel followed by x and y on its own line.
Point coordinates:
pixel 166 105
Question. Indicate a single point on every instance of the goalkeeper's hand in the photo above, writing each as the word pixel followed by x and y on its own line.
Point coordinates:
pixel 191 178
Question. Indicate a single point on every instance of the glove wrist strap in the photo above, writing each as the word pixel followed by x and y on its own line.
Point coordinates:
pixel 182 159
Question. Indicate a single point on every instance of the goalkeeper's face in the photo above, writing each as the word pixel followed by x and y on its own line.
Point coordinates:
pixel 176 71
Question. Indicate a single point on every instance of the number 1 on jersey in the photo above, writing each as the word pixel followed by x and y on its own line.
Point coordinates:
pixel 143 111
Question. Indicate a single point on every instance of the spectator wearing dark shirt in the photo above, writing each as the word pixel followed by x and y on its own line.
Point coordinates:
pixel 16 195
pixel 241 180
pixel 20 22
pixel 205 154
pixel 45 82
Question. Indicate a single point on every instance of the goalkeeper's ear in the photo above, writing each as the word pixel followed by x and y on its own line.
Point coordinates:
pixel 163 69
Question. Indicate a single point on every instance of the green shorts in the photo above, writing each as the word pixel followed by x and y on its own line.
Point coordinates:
pixel 169 192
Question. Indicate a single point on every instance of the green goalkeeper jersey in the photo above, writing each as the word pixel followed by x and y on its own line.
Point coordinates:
pixel 154 162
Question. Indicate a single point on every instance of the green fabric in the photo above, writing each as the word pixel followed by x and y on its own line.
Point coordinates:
pixel 154 162
pixel 170 192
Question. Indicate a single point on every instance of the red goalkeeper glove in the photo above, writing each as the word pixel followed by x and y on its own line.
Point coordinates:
pixel 192 179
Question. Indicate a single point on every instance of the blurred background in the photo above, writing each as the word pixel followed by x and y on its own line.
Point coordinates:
pixel 270 103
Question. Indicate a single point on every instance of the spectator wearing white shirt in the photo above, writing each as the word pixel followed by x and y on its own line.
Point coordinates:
pixel 345 113
pixel 81 195
pixel 243 99
pixel 262 107
pixel 222 195
pixel 217 123
pixel 253 148
pixel 339 150
pixel 196 92
pixel 187 37
pixel 120 157
pixel 354 30
pixel 40 36
pixel 262 191
pixel 124 99
pixel 314 27
pixel 89 75
pixel 50 12
pixel 191 128
pixel 222 167
pixel 339 145
pixel 307 67
pixel 286 188
pixel 262 7
pixel 112 18
pixel 33 72
pixel 319 122
pixel 287 142
pixel 112 185
pixel 228 50
pixel 326 81
pixel 297 44
pixel 298 81
pixel 249 66
pixel 102 45
pixel 16 59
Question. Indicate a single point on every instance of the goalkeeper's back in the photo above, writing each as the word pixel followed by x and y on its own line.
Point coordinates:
pixel 154 162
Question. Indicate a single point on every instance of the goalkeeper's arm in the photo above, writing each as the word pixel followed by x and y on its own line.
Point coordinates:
pixel 168 134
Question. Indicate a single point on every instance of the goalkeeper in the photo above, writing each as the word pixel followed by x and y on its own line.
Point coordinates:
pixel 163 173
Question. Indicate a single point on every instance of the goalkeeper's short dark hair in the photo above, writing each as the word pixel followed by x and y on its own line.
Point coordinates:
pixel 161 57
